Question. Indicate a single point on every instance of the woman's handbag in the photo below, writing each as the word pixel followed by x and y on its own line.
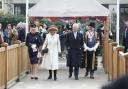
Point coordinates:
pixel 45 50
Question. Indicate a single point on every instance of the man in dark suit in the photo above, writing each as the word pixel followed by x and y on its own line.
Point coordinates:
pixel 125 39
pixel 100 32
pixel 74 43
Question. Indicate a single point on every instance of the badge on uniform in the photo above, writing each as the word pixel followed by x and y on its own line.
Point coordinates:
pixel 90 40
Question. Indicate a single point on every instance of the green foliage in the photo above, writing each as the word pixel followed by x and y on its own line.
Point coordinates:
pixel 11 19
pixel 47 22
pixel 59 23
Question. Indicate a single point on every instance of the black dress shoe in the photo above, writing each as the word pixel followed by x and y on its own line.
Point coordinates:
pixel 91 77
pixel 76 78
pixel 70 75
pixel 86 74
pixel 36 78
pixel 55 78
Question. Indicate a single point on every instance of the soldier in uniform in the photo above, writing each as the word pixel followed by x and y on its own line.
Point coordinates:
pixel 90 47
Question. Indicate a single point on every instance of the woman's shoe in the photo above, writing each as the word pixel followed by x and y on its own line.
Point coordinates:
pixel 36 78
pixel 55 75
pixel 50 77
pixel 50 74
pixel 32 77
pixel 55 78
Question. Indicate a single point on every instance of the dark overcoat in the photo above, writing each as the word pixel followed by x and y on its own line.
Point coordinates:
pixel 74 47
pixel 33 39
pixel 125 39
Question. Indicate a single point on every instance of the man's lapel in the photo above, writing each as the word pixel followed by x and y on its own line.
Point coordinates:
pixel 73 35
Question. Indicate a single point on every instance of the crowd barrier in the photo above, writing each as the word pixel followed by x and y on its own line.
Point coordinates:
pixel 115 61
pixel 14 64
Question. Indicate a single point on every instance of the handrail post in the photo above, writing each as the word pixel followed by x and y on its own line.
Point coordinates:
pixel 111 45
pixel 6 58
pixel 19 59
pixel 115 61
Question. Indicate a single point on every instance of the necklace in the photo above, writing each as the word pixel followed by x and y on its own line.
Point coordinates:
pixel 90 36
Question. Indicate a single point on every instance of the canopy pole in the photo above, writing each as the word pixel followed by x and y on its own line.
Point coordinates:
pixel 118 22
pixel 27 19
pixel 2 4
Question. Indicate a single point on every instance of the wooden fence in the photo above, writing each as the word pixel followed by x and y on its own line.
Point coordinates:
pixel 115 60
pixel 14 64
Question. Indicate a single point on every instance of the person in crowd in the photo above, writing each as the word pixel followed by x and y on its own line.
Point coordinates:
pixel 62 37
pixel 21 32
pixel 121 83
pixel 43 28
pixel 90 46
pixel 42 34
pixel 1 39
pixel 14 35
pixel 69 26
pixel 50 59
pixel 7 34
pixel 74 43
pixel 125 37
pixel 110 34
pixel 33 42
pixel 100 32
pixel 2 43
pixel 1 30
pixel 1 35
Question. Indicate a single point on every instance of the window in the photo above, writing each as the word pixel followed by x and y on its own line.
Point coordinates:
pixel 0 4
pixel 105 5
pixel 124 8
pixel 31 5
pixel 19 9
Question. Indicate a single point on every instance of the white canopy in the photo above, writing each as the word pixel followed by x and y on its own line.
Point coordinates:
pixel 68 8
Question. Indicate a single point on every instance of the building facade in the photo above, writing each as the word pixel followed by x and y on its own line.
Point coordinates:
pixel 111 5
pixel 18 7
